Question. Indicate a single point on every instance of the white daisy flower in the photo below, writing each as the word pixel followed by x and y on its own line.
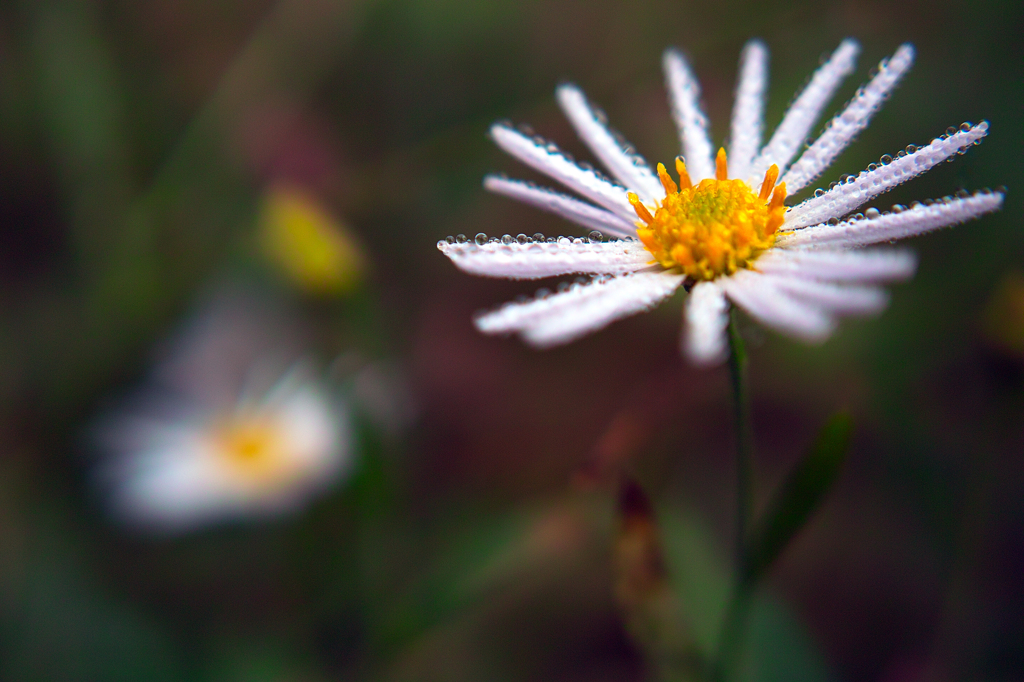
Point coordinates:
pixel 222 435
pixel 723 229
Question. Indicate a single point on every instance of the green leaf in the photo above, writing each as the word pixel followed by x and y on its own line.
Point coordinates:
pixel 776 645
pixel 799 496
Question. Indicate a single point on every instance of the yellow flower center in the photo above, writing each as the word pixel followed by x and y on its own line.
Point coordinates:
pixel 255 449
pixel 715 228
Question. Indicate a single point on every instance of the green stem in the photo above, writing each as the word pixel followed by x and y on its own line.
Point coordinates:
pixel 739 603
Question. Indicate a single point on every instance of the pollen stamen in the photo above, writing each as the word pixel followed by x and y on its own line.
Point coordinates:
pixel 721 165
pixel 666 180
pixel 684 177
pixel 640 209
pixel 769 181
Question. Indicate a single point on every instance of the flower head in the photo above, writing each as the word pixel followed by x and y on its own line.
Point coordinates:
pixel 721 226
pixel 227 429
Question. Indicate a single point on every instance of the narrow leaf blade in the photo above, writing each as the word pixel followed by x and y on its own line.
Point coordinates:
pixel 799 496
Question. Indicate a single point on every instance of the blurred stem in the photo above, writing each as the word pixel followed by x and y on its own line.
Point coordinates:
pixel 732 628
pixel 739 603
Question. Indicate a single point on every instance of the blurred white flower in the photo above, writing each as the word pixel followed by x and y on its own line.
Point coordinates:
pixel 232 426
pixel 723 230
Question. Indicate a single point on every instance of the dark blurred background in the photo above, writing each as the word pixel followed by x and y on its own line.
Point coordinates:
pixel 139 142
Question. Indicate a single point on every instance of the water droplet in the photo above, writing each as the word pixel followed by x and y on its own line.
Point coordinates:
pixel 460 239
pixel 962 193
pixel 819 192
pixel 595 237
pixel 522 238
pixel 480 238
pixel 450 239
pixel 911 148
pixel 872 166
pixel 833 221
pixel 898 208
pixel 950 130
pixel 507 239
pixel 966 126
pixel 900 154
pixel 551 240
pixel 542 293
pixel 872 213
pixel 562 286
pixel 440 243
pixel 538 237
pixel 886 159
pixel 857 216
pixel 564 241
pixel 833 185
pixel 915 204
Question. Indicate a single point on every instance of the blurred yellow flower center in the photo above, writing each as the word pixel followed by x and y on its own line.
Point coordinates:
pixel 712 229
pixel 253 447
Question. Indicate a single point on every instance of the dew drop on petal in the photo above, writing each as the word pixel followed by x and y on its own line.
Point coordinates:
pixel 951 130
pixel 872 213
pixel 522 238
pixel 507 239
pixel 538 237
pixel 480 238
pixel 460 239
pixel 819 192
pixel 595 237
pixel 965 126
pixel 450 239
pixel 911 148
pixel 886 159
pixel 898 208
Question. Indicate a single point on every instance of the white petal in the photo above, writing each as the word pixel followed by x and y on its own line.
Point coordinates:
pixel 548 159
pixel 692 124
pixel 890 226
pixel 706 317
pixel 839 265
pixel 845 299
pixel 318 434
pixel 804 112
pixel 581 309
pixel 547 259
pixel 170 488
pixel 748 111
pixel 615 153
pixel 757 294
pixel 577 211
pixel 847 196
pixel 850 121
